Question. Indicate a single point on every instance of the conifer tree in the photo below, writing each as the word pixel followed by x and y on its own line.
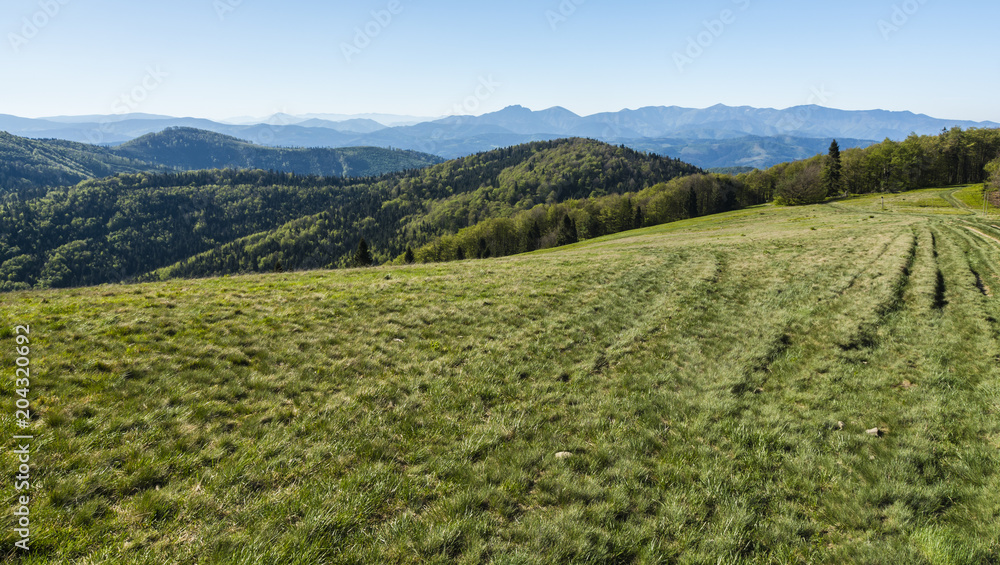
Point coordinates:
pixel 692 203
pixel 363 257
pixel 567 233
pixel 408 257
pixel 832 173
pixel 534 235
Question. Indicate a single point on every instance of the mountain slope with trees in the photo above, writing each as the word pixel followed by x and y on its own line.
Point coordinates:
pixel 414 210
pixel 27 164
pixel 34 164
pixel 953 157
pixel 495 203
pixel 123 227
pixel 193 149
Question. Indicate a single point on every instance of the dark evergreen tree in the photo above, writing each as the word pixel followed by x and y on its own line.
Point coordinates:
pixel 363 257
pixel 408 258
pixel 639 218
pixel 460 253
pixel 626 215
pixel 567 233
pixel 832 173
pixel 692 206
pixel 534 235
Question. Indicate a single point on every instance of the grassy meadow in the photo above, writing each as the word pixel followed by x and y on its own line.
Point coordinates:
pixel 716 384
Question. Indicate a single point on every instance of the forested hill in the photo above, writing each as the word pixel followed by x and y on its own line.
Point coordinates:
pixel 123 227
pixel 192 149
pixel 441 200
pixel 28 165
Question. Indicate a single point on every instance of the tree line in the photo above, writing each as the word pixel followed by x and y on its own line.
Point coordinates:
pixel 557 224
pixel 954 157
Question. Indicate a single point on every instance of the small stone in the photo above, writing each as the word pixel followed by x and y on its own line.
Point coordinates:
pixel 840 425
pixel 875 432
pixel 563 455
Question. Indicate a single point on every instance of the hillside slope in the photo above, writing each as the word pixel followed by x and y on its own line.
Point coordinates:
pixel 123 227
pixel 808 385
pixel 442 200
pixel 192 149
pixel 29 165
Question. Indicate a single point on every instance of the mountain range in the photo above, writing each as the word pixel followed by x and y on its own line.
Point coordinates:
pixel 719 136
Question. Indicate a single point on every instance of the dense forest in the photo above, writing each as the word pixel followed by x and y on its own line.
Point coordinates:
pixel 551 225
pixel 191 149
pixel 954 157
pixel 124 227
pixel 28 166
pixel 441 200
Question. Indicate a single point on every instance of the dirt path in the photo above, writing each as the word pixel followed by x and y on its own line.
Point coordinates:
pixel 972 229
pixel 949 197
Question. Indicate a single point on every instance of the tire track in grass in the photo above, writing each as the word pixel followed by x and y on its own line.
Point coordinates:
pixel 887 290
pixel 925 289
pixel 750 378
pixel 977 249
pixel 707 271
pixel 873 259
pixel 937 455
pixel 977 232
pixel 980 260
pixel 949 197
pixel 929 461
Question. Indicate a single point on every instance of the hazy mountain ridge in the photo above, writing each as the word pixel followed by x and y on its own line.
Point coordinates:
pixel 458 136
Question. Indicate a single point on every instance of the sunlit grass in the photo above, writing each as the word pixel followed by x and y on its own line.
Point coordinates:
pixel 712 379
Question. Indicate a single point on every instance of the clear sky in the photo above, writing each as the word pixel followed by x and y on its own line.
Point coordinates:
pixel 223 58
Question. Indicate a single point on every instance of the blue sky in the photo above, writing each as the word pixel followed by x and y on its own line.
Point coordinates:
pixel 224 58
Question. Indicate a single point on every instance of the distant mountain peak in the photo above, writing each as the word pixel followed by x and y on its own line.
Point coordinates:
pixel 559 110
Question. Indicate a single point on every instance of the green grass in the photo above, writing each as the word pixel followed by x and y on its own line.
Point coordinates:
pixel 713 380
pixel 971 196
